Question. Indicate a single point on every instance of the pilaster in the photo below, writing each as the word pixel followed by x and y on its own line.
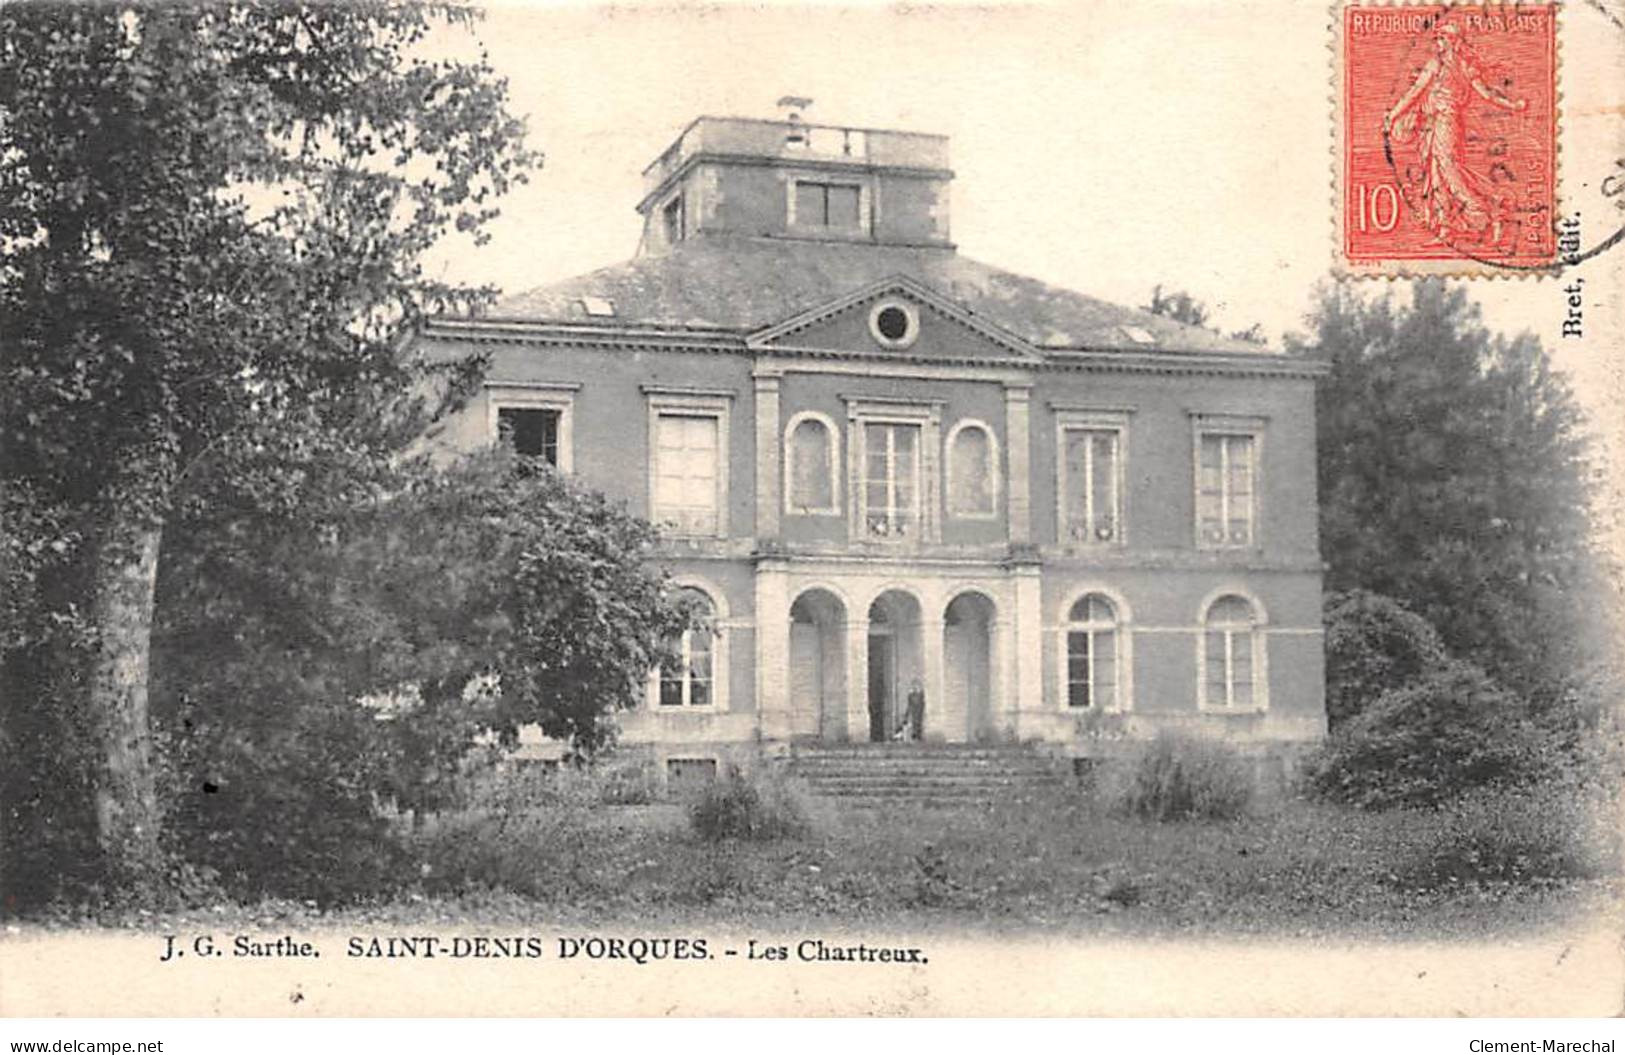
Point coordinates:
pixel 1018 450
pixel 857 680
pixel 1027 648
pixel 773 650
pixel 769 457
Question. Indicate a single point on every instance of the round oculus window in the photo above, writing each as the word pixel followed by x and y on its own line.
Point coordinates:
pixel 894 324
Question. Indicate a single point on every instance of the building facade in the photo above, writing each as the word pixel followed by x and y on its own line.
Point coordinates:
pixel 888 469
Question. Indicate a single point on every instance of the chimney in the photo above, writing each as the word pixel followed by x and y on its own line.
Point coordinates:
pixel 790 107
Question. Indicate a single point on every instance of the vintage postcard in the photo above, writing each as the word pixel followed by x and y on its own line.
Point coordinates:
pixel 814 510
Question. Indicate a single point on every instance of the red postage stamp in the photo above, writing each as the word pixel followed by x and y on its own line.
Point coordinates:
pixel 1447 138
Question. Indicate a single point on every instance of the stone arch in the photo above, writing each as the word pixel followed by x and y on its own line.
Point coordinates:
pixel 818 663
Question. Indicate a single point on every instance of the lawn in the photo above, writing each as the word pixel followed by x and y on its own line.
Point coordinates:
pixel 1287 868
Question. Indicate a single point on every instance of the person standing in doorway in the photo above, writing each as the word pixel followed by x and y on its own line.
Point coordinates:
pixel 916 711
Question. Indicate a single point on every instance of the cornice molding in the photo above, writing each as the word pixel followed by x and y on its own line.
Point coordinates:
pixel 734 342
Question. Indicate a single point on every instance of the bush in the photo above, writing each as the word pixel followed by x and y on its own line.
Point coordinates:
pixel 1555 830
pixel 625 783
pixel 1448 733
pixel 760 807
pixel 1182 778
pixel 1374 645
pixel 289 809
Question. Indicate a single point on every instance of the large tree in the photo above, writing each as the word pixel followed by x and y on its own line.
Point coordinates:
pixel 1454 477
pixel 212 218
pixel 360 649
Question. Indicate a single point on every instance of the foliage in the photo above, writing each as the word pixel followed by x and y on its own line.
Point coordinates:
pixel 759 806
pixel 1454 478
pixel 1289 868
pixel 1448 732
pixel 1373 645
pixel 1175 778
pixel 1553 830
pixel 624 783
pixel 314 668
pixel 1179 306
pixel 220 317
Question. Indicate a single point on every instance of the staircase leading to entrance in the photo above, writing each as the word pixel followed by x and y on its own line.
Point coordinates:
pixel 949 775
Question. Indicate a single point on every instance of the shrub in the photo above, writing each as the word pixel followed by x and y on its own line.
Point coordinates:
pixel 1450 732
pixel 1182 778
pixel 1554 830
pixel 761 806
pixel 625 783
pixel 1374 645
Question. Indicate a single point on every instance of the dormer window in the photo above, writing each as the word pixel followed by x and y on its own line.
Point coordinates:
pixel 831 205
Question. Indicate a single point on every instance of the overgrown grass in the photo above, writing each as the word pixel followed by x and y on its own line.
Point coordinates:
pixel 761 806
pixel 1181 778
pixel 1286 867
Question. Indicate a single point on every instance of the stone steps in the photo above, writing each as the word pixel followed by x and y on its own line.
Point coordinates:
pixel 946 775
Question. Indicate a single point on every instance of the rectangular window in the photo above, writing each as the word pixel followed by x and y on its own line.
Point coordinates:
pixel 1225 488
pixel 688 776
pixel 827 205
pixel 1091 669
pixel 686 472
pixel 891 479
pixel 535 419
pixel 672 219
pixel 531 431
pixel 1089 486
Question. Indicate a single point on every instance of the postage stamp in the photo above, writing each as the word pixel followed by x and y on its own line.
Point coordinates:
pixel 1447 139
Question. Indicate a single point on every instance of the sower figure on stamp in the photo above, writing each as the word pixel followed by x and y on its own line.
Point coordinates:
pixel 1434 109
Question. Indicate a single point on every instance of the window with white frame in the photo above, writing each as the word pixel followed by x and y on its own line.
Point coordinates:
pixel 1090 460
pixel 894 468
pixel 812 462
pixel 536 421
pixel 1231 655
pixel 692 682
pixel 1093 654
pixel 891 479
pixel 688 465
pixel 1227 460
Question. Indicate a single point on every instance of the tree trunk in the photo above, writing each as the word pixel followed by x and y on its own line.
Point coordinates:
pixel 126 574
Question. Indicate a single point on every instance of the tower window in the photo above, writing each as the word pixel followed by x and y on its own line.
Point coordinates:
pixel 833 205
pixel 672 218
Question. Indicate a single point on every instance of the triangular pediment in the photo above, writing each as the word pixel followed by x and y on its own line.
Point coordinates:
pixel 897 316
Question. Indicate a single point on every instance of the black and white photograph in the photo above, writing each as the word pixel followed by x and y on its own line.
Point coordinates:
pixel 812 510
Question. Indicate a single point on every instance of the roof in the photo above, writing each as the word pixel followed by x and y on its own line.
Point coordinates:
pixel 746 284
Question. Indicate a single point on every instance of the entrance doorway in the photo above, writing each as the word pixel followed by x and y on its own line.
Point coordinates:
pixel 967 651
pixel 882 684
pixel 818 666
pixel 895 661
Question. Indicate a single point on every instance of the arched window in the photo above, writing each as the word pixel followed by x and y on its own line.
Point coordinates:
pixel 1093 654
pixel 810 466
pixel 1230 655
pixel 972 479
pixel 693 682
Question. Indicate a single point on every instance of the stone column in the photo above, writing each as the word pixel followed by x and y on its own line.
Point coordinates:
pixel 769 457
pixel 1001 678
pixel 773 717
pixel 857 680
pixel 1018 448
pixel 1027 653
pixel 941 721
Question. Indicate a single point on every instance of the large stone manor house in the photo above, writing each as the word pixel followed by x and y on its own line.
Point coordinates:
pixel 889 469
